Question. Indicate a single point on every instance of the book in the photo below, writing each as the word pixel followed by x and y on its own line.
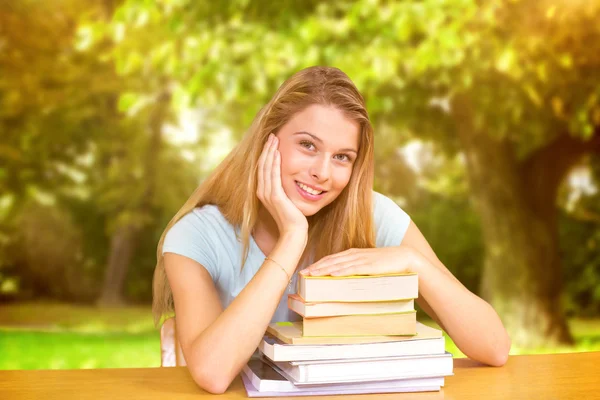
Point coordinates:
pixel 266 377
pixel 372 369
pixel 291 333
pixel 358 288
pixel 330 309
pixel 417 385
pixel 361 325
pixel 276 350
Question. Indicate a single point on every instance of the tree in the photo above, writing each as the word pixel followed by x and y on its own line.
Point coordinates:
pixel 46 121
pixel 74 139
pixel 127 184
pixel 514 85
pixel 52 117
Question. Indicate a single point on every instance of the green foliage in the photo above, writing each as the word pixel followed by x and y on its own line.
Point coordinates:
pixel 80 84
pixel 405 57
pixel 51 97
pixel 453 230
pixel 580 239
pixel 47 253
pixel 579 247
pixel 441 208
pixel 74 149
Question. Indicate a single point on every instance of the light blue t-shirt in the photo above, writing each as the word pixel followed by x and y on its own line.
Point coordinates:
pixel 205 236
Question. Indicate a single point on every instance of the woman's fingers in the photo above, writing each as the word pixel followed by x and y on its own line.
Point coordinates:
pixel 331 268
pixel 327 270
pixel 260 189
pixel 332 259
pixel 276 174
pixel 333 264
pixel 268 166
pixel 287 216
pixel 353 270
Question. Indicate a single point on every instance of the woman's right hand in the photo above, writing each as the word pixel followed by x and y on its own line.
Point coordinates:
pixel 270 192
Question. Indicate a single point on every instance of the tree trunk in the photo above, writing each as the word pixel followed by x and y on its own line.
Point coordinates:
pixel 122 247
pixel 522 269
pixel 124 240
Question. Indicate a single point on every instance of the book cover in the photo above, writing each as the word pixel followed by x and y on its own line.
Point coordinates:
pixel 361 325
pixel 358 288
pixel 330 309
pixel 263 380
pixel 291 333
pixel 252 392
pixel 276 350
pixel 375 369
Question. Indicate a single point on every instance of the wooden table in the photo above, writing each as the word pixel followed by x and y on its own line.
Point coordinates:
pixel 543 377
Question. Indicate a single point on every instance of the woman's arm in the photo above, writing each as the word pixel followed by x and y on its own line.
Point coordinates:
pixel 217 343
pixel 472 323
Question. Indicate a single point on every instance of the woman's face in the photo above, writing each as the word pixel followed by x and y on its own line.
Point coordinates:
pixel 318 149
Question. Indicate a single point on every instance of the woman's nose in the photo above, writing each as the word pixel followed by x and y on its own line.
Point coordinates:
pixel 321 169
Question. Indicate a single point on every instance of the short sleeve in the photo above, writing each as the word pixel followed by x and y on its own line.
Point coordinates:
pixel 391 222
pixel 191 237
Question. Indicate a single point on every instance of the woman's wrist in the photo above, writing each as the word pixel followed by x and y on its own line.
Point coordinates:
pixel 288 250
pixel 296 238
pixel 418 263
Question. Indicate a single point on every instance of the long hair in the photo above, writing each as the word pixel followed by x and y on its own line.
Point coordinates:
pixel 345 223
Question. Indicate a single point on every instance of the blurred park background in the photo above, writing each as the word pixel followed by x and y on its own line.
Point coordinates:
pixel 487 118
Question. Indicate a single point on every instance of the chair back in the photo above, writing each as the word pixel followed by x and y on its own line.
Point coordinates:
pixel 171 354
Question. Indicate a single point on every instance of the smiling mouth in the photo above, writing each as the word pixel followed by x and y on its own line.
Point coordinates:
pixel 309 190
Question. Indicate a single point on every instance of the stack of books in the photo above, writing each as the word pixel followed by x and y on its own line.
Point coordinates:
pixel 358 334
pixel 356 305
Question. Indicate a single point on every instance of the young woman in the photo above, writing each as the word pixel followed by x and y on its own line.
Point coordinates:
pixel 296 195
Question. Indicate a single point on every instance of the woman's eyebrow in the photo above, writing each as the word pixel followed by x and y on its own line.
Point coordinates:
pixel 318 139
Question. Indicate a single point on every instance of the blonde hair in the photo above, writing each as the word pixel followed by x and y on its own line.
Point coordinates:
pixel 345 223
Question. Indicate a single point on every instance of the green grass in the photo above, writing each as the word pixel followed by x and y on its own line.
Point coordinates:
pixel 62 336
pixel 60 316
pixel 72 350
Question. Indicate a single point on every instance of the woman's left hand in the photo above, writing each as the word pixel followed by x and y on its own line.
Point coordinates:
pixel 382 260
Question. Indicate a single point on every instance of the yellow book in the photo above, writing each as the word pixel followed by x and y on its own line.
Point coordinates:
pixel 358 288
pixel 291 333
pixel 361 325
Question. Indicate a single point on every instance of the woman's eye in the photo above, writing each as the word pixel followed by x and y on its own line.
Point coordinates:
pixel 343 157
pixel 306 144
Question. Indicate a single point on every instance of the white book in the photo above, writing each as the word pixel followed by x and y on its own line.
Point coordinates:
pixel 265 378
pixel 277 351
pixel 335 308
pixel 373 369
